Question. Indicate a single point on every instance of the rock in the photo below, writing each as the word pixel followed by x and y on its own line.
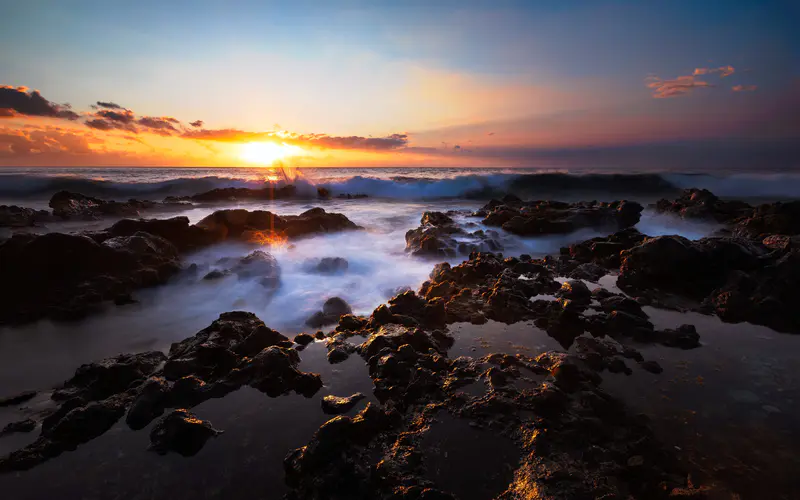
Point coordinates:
pixel 334 405
pixel 105 378
pixel 651 366
pixel 149 403
pixel 575 290
pixel 605 251
pixel 215 275
pixel 227 194
pixel 692 269
pixel 176 230
pixel 550 217
pixel 68 205
pixel 260 265
pixel 683 337
pixel 26 425
pixel 435 237
pixel 588 271
pixel 64 276
pixel 329 265
pixel 182 433
pixel 333 309
pixel 267 228
pixel 303 339
pixel 17 398
pixel 14 216
pixel 768 219
pixel 702 204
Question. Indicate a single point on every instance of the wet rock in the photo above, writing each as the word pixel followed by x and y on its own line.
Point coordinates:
pixel 182 433
pixel 17 398
pixel 274 372
pixel 690 268
pixel 702 204
pixel 588 271
pixel 683 337
pixel 215 275
pixel 436 237
pixel 575 290
pixel 14 216
pixel 149 403
pixel 265 227
pixel 769 219
pixel 64 276
pixel 333 309
pixel 259 265
pixel 334 405
pixel 176 230
pixel 67 205
pixel 303 339
pixel 26 425
pixel 651 366
pixel 605 251
pixel 551 217
pixel 210 353
pixel 102 379
pixel 329 265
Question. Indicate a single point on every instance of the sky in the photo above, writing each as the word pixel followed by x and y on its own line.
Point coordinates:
pixel 633 84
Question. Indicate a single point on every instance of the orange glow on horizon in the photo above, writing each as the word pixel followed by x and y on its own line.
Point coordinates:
pixel 267 153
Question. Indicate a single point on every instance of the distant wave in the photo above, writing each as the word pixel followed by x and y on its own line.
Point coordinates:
pixel 554 185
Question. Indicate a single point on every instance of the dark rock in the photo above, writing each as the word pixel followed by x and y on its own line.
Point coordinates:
pixel 330 265
pixel 68 205
pixel 102 379
pixel 435 237
pixel 332 310
pixel 702 204
pixel 261 265
pixel 181 432
pixel 550 217
pixel 65 276
pixel 334 405
pixel 215 275
pixel 26 425
pixel 769 219
pixel 149 403
pixel 231 193
pixel 265 227
pixel 605 251
pixel 303 339
pixel 17 398
pixel 651 366
pixel 14 216
pixel 589 272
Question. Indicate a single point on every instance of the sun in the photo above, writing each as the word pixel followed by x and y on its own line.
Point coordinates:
pixel 267 153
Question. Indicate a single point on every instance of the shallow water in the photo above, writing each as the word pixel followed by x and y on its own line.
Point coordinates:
pixel 736 421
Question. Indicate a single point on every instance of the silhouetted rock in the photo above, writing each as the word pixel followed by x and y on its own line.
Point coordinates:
pixel 182 433
pixel 333 309
pixel 14 216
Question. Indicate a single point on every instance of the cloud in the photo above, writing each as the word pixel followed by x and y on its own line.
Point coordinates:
pixel 8 113
pixel 722 70
pixel 42 141
pixel 113 119
pixel 161 125
pixel 393 141
pixel 107 105
pixel 744 88
pixel 681 85
pixel 196 123
pixel 31 103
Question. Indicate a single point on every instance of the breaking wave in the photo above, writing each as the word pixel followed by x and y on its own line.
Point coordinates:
pixel 410 186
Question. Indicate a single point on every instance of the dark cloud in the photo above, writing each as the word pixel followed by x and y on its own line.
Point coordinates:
pixel 8 113
pixel 123 116
pixel 107 105
pixel 159 125
pixel 196 123
pixel 393 141
pixel 114 119
pixel 31 103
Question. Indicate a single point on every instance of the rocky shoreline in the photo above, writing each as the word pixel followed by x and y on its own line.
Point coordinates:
pixel 572 439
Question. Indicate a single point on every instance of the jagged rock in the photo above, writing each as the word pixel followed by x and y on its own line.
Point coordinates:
pixel 436 237
pixel 102 379
pixel 265 227
pixel 65 276
pixel 181 432
pixel 26 425
pixel 14 216
pixel 703 204
pixel 333 309
pixel 552 217
pixel 68 205
pixel 334 405
pixel 17 398
pixel 303 339
pixel 328 265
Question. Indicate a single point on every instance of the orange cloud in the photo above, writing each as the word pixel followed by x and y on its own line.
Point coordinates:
pixel 681 85
pixel 722 70
pixel 744 88
pixel 324 141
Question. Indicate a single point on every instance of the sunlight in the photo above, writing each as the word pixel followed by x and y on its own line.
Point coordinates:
pixel 267 153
